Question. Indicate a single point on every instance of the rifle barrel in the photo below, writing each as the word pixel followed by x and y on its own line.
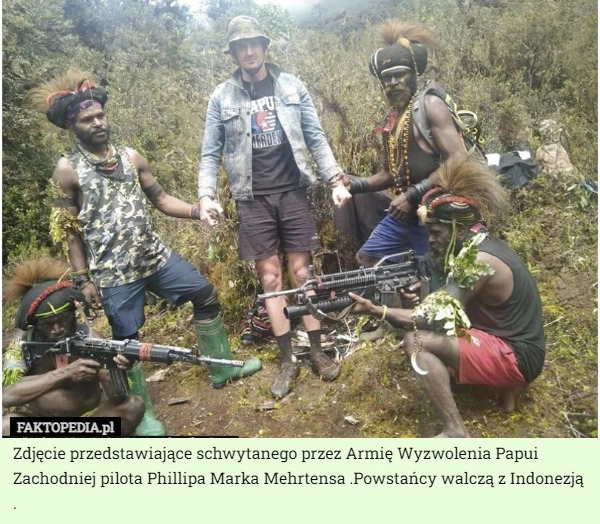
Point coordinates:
pixel 274 294
pixel 324 306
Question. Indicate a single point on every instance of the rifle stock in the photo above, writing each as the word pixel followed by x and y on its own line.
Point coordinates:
pixel 329 293
pixel 104 351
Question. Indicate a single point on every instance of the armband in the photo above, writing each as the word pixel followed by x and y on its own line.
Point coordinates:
pixel 359 185
pixel 384 312
pixel 83 284
pixel 13 365
pixel 153 190
pixel 415 193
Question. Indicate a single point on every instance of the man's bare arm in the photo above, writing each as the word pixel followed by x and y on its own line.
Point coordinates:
pixel 448 139
pixel 69 200
pixel 450 147
pixel 32 387
pixel 381 180
pixel 165 203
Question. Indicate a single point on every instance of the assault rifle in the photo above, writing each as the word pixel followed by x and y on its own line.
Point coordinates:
pixel 381 283
pixel 103 351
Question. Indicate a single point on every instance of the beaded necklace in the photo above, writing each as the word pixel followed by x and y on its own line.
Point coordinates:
pixel 397 153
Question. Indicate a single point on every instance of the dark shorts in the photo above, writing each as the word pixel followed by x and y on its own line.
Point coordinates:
pixel 488 360
pixel 124 305
pixel 271 220
pixel 391 236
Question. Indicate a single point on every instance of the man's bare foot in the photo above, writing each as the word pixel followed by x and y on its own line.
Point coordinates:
pixel 509 398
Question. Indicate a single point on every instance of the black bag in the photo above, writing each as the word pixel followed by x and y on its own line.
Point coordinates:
pixel 515 169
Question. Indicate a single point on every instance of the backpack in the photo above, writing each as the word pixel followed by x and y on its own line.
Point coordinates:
pixel 256 325
pixel 466 122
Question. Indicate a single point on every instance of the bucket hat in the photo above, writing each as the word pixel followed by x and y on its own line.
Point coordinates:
pixel 244 27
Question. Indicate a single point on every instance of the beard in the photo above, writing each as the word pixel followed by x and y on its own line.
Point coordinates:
pixel 439 250
pixel 398 98
pixel 91 139
pixel 252 71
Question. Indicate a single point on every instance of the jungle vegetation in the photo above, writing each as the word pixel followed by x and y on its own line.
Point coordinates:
pixel 513 62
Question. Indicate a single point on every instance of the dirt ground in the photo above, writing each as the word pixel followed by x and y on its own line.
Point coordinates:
pixel 376 395
pixel 188 405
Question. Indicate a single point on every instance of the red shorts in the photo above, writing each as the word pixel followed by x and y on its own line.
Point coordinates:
pixel 487 360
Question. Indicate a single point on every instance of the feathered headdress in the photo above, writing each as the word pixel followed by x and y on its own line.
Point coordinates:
pixel 40 284
pixel 63 97
pixel 467 191
pixel 405 46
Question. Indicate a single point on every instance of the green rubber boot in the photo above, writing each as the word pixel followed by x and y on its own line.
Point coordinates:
pixel 149 426
pixel 213 342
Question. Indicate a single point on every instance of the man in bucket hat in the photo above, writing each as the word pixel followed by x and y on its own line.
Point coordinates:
pixel 245 27
pixel 265 123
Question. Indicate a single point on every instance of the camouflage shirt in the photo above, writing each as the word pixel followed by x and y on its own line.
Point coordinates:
pixel 120 245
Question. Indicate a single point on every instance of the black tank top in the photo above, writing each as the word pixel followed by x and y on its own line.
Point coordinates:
pixel 519 320
pixel 420 163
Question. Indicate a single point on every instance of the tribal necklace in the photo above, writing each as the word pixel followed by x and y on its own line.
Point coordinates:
pixel 104 166
pixel 397 150
pixel 110 168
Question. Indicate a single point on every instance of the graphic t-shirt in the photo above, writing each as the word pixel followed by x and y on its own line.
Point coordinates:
pixel 274 169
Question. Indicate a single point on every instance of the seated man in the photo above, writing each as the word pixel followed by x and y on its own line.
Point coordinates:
pixel 504 346
pixel 55 386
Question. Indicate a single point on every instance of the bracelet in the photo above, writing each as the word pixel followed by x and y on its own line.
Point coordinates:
pixel 385 308
pixel 82 284
pixel 80 279
pixel 195 211
pixel 333 181
pixel 80 272
pixel 412 195
pixel 359 185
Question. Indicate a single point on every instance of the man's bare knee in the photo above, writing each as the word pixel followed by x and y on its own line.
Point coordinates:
pixel 137 407
pixel 6 423
pixel 131 411
pixel 408 343
pixel 271 280
pixel 365 260
pixel 300 275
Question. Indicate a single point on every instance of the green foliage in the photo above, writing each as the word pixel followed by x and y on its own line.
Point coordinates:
pixel 442 310
pixel 31 38
pixel 445 313
pixel 514 63
pixel 464 269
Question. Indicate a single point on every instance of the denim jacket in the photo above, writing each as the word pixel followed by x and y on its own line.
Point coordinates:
pixel 228 132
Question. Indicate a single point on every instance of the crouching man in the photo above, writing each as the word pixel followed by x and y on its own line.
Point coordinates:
pixel 57 385
pixel 485 325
